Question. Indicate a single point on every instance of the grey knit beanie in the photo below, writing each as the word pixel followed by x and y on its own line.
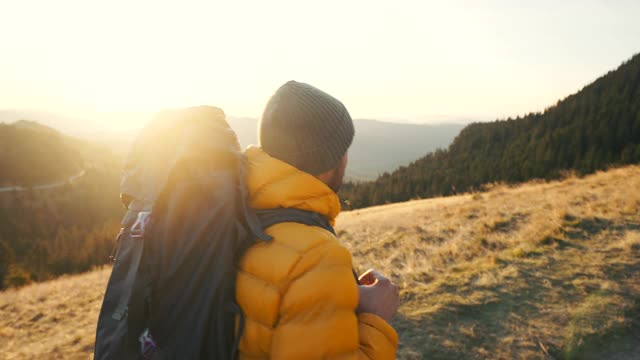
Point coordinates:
pixel 306 127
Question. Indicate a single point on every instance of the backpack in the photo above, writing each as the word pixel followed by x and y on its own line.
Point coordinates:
pixel 171 293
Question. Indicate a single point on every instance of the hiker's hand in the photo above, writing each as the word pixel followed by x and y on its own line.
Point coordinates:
pixel 378 295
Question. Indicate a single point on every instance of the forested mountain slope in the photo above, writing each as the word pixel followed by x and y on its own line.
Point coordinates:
pixel 597 127
pixel 63 227
pixel 33 154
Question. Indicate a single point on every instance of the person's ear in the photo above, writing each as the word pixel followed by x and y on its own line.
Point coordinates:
pixel 326 176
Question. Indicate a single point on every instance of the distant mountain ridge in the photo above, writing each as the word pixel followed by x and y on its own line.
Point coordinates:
pixel 35 154
pixel 378 146
pixel 35 126
pixel 597 127
pixel 43 118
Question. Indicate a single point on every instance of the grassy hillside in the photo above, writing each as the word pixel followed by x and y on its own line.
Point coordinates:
pixel 542 270
pixel 535 271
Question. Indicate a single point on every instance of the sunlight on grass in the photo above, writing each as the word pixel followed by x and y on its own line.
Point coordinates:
pixel 542 270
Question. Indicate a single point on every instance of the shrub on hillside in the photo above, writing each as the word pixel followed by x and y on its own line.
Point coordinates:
pixel 7 257
pixel 16 277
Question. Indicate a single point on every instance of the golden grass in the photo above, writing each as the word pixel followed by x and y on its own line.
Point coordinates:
pixel 541 270
pixel 52 320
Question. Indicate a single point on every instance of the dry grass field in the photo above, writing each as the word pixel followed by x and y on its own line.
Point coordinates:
pixel 541 270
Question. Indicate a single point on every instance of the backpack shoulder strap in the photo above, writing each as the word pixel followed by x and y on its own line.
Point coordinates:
pixel 275 216
pixel 270 217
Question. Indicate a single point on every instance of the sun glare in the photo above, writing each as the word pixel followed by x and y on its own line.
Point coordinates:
pixel 422 60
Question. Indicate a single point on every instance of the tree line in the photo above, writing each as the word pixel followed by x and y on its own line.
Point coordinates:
pixel 588 131
pixel 47 233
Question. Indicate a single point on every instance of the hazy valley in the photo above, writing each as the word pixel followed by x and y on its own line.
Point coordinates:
pixel 378 147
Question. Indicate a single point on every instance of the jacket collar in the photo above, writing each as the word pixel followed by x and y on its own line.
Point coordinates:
pixel 273 183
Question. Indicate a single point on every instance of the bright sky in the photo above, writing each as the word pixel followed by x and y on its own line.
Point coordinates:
pixel 413 60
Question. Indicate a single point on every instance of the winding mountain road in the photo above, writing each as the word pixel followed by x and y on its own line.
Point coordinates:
pixel 53 185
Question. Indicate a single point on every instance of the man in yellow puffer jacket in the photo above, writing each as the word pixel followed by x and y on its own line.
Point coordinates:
pixel 298 292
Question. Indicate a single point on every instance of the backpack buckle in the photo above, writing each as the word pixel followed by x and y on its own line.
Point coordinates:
pixel 137 229
pixel 147 345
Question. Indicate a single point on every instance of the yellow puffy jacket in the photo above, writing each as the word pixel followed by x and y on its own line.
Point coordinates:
pixel 297 292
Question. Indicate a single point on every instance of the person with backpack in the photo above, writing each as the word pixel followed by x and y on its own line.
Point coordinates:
pixel 298 292
pixel 225 255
